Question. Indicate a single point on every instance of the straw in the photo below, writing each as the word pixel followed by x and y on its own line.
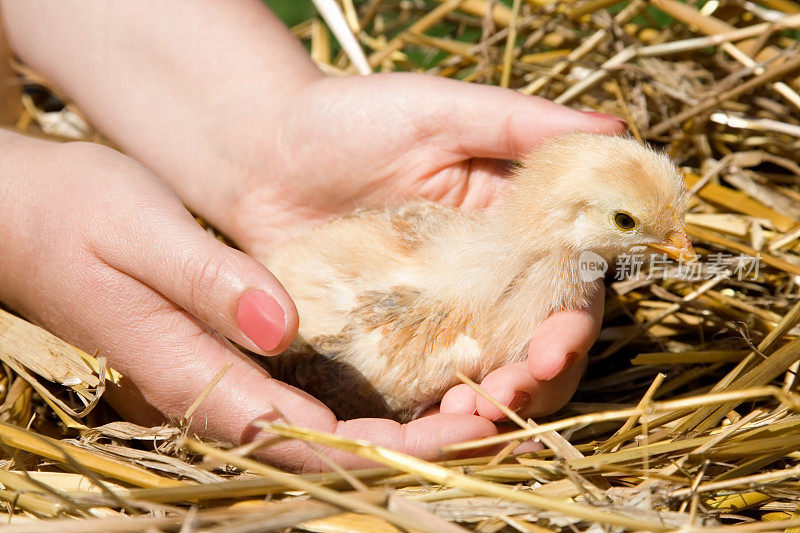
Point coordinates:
pixel 687 418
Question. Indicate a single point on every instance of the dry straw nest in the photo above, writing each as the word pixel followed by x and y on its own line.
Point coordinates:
pixel 689 417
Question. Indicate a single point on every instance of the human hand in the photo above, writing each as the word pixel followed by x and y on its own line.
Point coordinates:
pixel 436 139
pixel 340 143
pixel 548 379
pixel 265 145
pixel 100 252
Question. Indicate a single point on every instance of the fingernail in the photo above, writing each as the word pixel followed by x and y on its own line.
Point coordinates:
pixel 520 401
pixel 604 116
pixel 569 360
pixel 261 319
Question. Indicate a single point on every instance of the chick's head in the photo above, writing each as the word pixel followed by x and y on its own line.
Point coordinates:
pixel 600 193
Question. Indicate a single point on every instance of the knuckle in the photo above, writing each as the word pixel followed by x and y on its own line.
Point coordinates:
pixel 203 276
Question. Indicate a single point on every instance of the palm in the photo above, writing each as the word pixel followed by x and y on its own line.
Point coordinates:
pixel 261 147
pixel 362 142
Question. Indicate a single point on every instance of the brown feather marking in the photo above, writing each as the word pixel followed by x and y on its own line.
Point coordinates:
pixel 412 222
pixel 408 322
pixel 407 232
pixel 411 329
pixel 516 281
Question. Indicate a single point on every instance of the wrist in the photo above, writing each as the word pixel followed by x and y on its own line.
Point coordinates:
pixel 233 157
pixel 199 129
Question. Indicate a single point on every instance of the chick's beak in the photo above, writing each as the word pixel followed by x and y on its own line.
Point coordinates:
pixel 677 246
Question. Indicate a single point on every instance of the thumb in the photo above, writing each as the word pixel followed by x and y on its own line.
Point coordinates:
pixel 225 289
pixel 498 123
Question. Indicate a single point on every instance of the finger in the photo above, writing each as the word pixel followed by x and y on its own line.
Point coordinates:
pixel 558 343
pixel 554 394
pixel 563 339
pixel 226 289
pixel 430 411
pixel 272 400
pixel 528 446
pixel 422 438
pixel 485 121
pixel 515 387
pixel 459 399
pixel 168 358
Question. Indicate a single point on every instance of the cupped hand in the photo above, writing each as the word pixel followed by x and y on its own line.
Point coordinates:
pixel 256 140
pixel 548 379
pixel 99 251
pixel 341 143
pixel 363 142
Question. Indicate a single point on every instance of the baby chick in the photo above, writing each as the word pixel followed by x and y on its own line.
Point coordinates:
pixel 393 302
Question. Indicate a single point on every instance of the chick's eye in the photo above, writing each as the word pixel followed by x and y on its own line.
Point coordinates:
pixel 624 221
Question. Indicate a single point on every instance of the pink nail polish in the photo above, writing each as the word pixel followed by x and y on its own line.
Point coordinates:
pixel 569 360
pixel 261 319
pixel 519 401
pixel 604 116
